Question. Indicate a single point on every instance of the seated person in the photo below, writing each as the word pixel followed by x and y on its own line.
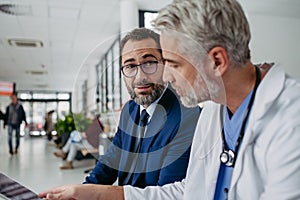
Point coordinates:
pixel 156 152
pixel 78 141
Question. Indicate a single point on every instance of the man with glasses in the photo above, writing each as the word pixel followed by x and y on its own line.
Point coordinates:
pixel 155 151
pixel 144 152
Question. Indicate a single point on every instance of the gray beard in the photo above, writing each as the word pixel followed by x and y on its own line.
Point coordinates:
pixel 198 93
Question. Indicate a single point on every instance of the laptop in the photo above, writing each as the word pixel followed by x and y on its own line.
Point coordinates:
pixel 10 189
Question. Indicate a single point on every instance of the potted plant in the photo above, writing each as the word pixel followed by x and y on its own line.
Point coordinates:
pixel 71 122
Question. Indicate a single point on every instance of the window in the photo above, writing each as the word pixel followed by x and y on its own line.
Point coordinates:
pixel 108 93
pixel 37 104
pixel 146 18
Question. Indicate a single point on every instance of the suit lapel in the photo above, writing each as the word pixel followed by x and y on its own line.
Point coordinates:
pixel 157 121
pixel 160 114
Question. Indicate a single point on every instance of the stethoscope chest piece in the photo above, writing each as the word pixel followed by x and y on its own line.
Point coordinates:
pixel 227 157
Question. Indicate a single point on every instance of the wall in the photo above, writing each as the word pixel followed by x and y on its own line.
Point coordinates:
pixel 276 39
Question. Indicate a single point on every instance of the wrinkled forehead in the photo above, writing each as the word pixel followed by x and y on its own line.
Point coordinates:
pixel 175 44
pixel 172 48
pixel 169 43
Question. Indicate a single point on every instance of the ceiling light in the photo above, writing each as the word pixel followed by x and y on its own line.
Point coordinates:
pixel 25 43
pixel 41 85
pixel 12 9
pixel 36 72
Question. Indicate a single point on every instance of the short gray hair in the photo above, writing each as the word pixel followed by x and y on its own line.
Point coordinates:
pixel 210 23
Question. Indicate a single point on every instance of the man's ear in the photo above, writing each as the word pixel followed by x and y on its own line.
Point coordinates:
pixel 219 57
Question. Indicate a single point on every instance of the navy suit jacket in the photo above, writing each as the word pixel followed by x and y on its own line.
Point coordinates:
pixel 162 155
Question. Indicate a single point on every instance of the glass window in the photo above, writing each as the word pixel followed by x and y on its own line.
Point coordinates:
pixel 109 80
pixel 148 18
pixel 117 77
pixel 63 96
pixel 44 96
pixel 62 109
pixel 37 104
pixel 25 95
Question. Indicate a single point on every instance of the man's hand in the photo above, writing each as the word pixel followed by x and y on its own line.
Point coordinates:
pixel 83 192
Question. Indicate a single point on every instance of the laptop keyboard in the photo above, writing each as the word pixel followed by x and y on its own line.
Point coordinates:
pixel 14 191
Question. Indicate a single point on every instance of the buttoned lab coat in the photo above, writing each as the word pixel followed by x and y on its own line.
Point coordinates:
pixel 268 162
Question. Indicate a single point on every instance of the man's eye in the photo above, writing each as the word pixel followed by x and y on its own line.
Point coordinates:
pixel 130 66
pixel 148 63
pixel 172 66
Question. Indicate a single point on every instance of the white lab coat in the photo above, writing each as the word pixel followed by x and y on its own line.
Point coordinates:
pixel 268 162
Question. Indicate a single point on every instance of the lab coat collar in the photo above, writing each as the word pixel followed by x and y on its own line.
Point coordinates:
pixel 266 93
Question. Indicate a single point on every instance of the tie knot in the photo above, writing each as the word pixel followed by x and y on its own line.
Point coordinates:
pixel 144 118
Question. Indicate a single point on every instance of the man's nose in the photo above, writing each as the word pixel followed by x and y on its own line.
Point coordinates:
pixel 140 75
pixel 167 74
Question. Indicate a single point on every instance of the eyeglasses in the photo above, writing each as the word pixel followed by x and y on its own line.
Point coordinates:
pixel 130 70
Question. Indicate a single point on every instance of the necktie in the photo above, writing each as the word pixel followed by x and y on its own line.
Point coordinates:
pixel 141 129
pixel 144 118
pixel 133 159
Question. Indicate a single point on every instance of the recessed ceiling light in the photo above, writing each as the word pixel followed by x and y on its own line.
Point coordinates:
pixel 36 72
pixel 13 9
pixel 24 42
pixel 41 85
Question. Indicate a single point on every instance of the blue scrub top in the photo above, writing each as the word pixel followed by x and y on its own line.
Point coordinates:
pixel 232 128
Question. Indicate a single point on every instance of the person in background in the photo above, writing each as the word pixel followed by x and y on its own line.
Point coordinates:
pixel 77 141
pixel 49 126
pixel 13 119
pixel 247 143
pixel 2 117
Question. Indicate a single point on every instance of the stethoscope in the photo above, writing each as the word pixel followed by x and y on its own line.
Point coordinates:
pixel 228 157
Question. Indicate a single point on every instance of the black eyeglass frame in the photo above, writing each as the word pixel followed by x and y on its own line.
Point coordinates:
pixel 142 66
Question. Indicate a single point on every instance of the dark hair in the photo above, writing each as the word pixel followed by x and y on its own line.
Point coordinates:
pixel 140 34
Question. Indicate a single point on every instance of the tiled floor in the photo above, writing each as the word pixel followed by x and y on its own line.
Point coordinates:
pixel 36 167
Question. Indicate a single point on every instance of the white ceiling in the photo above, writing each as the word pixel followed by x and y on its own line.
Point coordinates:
pixel 70 29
